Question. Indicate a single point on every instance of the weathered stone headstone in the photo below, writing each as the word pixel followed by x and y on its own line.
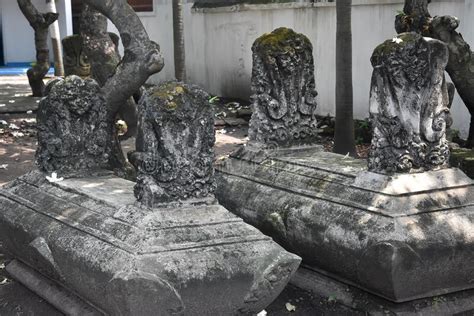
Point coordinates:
pixel 284 93
pixel 401 235
pixel 175 154
pixel 409 105
pixel 74 132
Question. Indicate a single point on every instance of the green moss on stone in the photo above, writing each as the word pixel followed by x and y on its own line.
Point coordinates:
pixel 278 41
pixel 169 93
pixel 390 45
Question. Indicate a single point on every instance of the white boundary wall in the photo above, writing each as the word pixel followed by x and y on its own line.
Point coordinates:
pixel 219 41
pixel 18 36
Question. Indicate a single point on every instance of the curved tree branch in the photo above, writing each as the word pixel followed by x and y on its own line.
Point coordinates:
pixel 40 23
pixel 142 57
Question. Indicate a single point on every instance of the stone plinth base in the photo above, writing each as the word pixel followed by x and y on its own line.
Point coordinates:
pixel 402 238
pixel 87 237
pixel 459 303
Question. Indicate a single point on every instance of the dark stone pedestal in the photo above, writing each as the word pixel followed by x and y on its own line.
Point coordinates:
pixel 401 237
pixel 84 244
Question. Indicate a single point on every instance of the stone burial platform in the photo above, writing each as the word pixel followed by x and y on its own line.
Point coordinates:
pixel 85 238
pixel 94 243
pixel 399 228
pixel 401 237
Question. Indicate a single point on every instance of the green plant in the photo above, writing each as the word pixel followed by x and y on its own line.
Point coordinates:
pixel 401 12
pixel 214 99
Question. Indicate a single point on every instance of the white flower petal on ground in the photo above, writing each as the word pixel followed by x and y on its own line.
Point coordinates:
pixel 54 178
pixel 290 307
pixel 262 313
pixel 5 166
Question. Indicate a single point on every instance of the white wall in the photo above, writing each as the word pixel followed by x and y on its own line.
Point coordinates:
pixel 18 36
pixel 218 44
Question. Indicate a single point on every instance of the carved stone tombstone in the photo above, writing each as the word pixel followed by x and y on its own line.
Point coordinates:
pixel 75 133
pixel 392 231
pixel 409 105
pixel 175 154
pixel 284 99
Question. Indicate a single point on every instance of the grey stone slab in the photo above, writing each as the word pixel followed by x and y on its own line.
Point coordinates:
pixel 358 226
pixel 188 258
pixel 414 182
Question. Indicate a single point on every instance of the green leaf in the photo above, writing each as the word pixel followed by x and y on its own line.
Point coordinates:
pixel 213 99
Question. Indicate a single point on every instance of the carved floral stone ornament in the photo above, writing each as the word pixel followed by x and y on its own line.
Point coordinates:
pixel 284 99
pixel 174 157
pixel 409 105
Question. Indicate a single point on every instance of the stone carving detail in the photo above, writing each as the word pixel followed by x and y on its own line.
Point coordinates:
pixel 175 155
pixel 74 133
pixel 284 99
pixel 75 59
pixel 409 105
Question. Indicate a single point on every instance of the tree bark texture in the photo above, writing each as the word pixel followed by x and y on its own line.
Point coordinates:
pixel 119 78
pixel 344 132
pixel 461 59
pixel 178 36
pixel 40 23
pixel 100 47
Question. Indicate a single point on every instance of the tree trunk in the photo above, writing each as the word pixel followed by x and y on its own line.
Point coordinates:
pixel 40 23
pixel 56 41
pixel 344 131
pixel 178 36
pixel 415 17
pixel 101 49
pixel 103 56
pixel 461 59
pixel 119 79
pixel 142 57
pixel 460 65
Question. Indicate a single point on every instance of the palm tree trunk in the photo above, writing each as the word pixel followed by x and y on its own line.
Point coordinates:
pixel 56 41
pixel 344 132
pixel 178 35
